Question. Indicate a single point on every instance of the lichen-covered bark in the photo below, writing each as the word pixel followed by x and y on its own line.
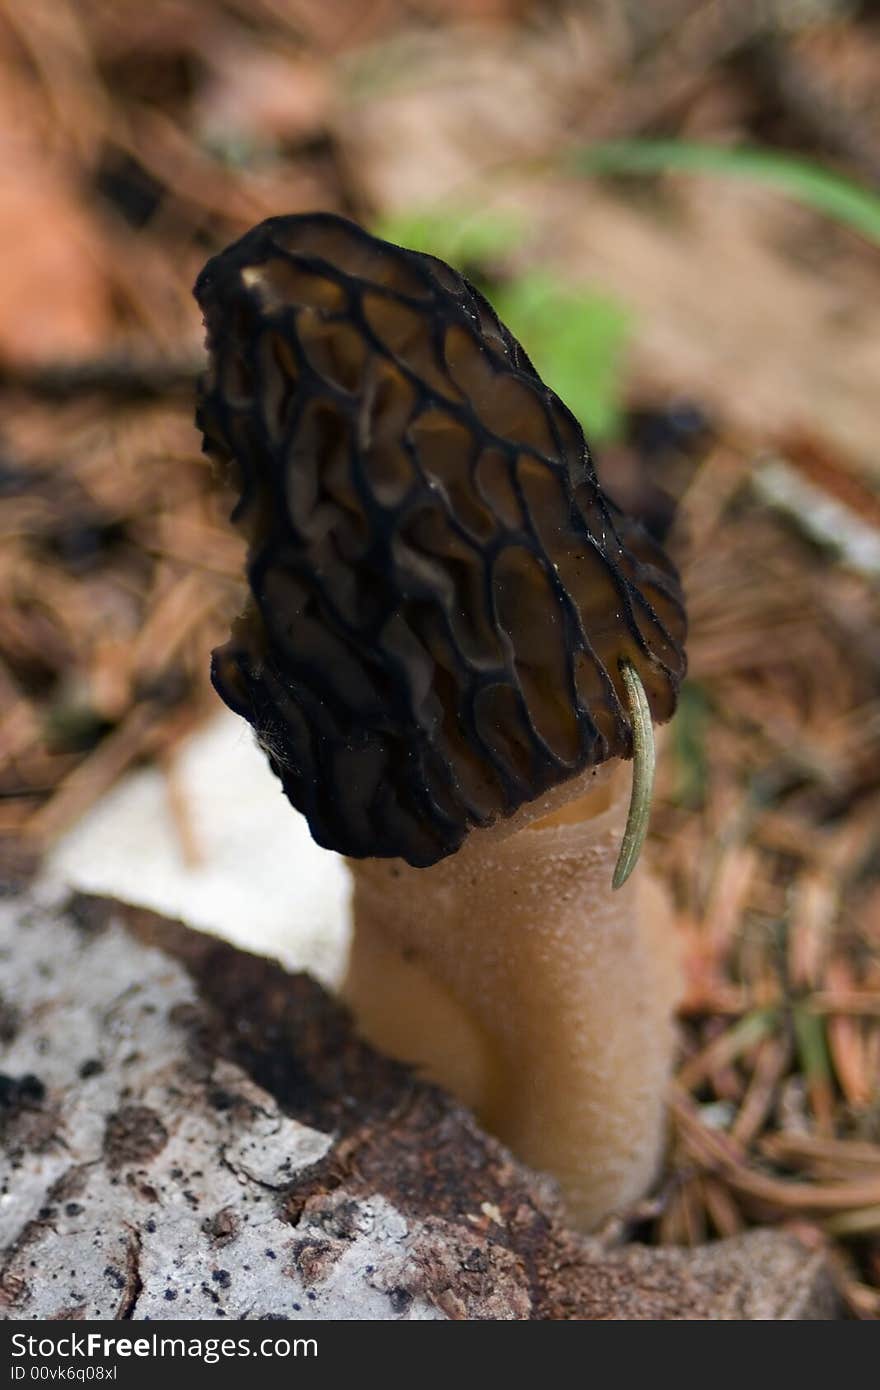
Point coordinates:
pixel 188 1132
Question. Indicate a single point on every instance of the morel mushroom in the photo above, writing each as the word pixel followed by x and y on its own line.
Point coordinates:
pixel 449 631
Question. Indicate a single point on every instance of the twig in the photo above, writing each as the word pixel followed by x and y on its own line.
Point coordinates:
pixel 120 377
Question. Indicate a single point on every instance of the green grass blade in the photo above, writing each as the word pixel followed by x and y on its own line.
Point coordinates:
pixel 808 183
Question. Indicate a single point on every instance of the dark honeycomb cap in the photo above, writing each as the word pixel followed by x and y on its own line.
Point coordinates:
pixel 441 597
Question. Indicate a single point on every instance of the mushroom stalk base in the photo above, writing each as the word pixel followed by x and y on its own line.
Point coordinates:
pixel 512 974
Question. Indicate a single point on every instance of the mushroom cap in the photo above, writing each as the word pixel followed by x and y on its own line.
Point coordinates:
pixel 440 594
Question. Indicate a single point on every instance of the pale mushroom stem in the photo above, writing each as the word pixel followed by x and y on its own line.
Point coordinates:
pixel 514 975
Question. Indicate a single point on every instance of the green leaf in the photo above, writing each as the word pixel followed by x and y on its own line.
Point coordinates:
pixel 463 237
pixel 808 183
pixel 576 339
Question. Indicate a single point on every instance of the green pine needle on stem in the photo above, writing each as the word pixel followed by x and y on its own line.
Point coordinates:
pixel 644 762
